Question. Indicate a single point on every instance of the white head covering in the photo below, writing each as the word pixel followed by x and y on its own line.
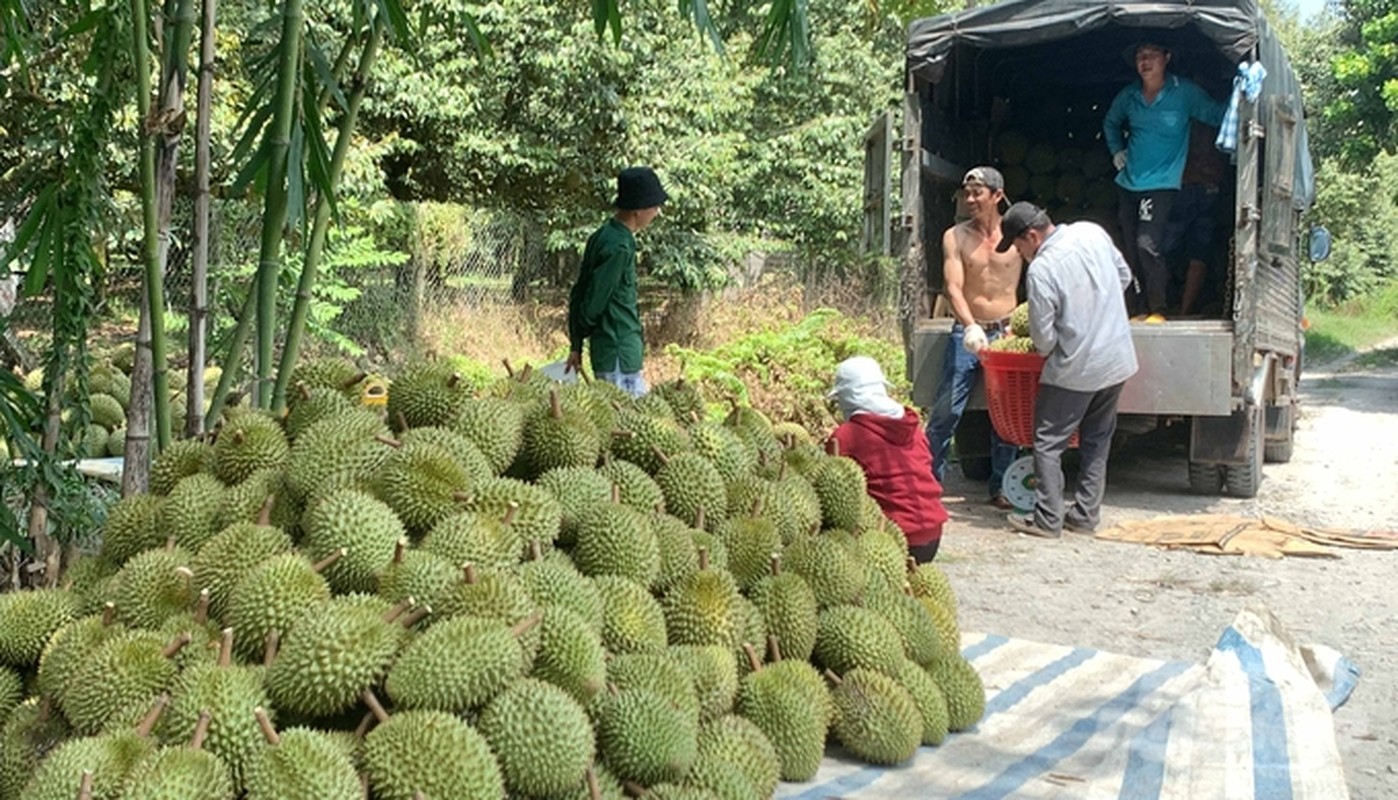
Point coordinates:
pixel 860 388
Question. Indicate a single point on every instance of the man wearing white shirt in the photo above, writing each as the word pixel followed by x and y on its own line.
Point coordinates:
pixel 1077 319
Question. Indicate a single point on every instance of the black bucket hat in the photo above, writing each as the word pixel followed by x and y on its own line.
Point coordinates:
pixel 639 187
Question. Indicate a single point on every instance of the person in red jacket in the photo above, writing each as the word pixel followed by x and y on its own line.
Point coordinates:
pixel 885 438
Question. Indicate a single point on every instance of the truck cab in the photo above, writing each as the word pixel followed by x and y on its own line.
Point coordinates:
pixel 1023 85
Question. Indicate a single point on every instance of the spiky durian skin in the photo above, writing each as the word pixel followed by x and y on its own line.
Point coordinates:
pixel 420 482
pixel 714 671
pixel 962 688
pixel 632 619
pixel 535 515
pixel 304 765
pixel 638 489
pixel 839 483
pixel 27 733
pixel 690 483
pixel 833 572
pixel 792 710
pixel 11 690
pixel 230 694
pixel 434 753
pixel 132 526
pixel 179 773
pixel 66 650
pixel 570 654
pixel 931 704
pixel 28 619
pixel 423 576
pixel 109 758
pixel 230 555
pixel 790 611
pixel 247 444
pixel 876 718
pixel 541 737
pixel 576 489
pixel 183 457
pixel 914 623
pixel 332 654
pixel 738 745
pixel 495 425
pixel 852 636
pixel 643 737
pixel 426 393
pixel 617 540
pixel 364 526
pixel 555 581
pixel 153 587
pixel 116 684
pixel 272 596
pixel 455 666
pixel 704 609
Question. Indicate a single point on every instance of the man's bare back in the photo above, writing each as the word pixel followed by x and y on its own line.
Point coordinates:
pixel 982 280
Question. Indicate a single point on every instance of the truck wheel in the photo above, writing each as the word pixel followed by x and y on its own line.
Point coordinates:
pixel 1281 434
pixel 1205 479
pixel 976 468
pixel 1243 480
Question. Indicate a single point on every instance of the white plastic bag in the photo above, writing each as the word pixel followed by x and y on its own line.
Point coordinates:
pixel 558 371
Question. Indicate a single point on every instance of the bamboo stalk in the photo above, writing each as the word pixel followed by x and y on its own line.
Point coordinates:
pixel 199 299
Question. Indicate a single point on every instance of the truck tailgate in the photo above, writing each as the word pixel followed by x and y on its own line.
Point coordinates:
pixel 1185 368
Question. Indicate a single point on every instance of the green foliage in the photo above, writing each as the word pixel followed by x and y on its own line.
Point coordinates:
pixel 1351 326
pixel 1360 208
pixel 785 370
pixel 1365 70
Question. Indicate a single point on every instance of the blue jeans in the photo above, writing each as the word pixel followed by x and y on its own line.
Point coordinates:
pixel 630 382
pixel 959 372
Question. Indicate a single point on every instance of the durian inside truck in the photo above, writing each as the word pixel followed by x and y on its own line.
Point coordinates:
pixel 1024 85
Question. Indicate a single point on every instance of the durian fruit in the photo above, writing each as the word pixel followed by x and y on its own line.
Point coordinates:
pixel 1019 320
pixel 492 593
pixel 106 410
pixel 961 686
pixel 299 764
pixel 570 654
pixel 116 443
pixel 271 597
pixel 333 652
pixel 751 540
pixel 27 733
pixel 28 619
pixel 637 488
pixel 133 525
pixel 600 404
pixel 536 514
pixel 682 396
pixel 833 572
pixel 659 673
pixel 230 555
pixel 840 485
pixel 654 405
pixel 789 610
pixel 246 444
pixel 928 580
pixel 419 574
pixel 921 640
pixel 555 436
pixel 632 619
pixel 798 497
pixel 788 703
pixel 930 702
pixel 154 586
pixel 91 578
pixel 429 754
pixel 96 767
pixel 341 445
pixel 643 737
pixel 617 540
pixel 458 665
pixel 229 695
pixel 469 537
pixel 422 483
pixel 307 405
pixel 176 773
pixel 495 425
pixel 876 719
pixel 67 649
pixel 704 608
pixel 733 459
pixel 331 372
pixel 689 483
pixel 553 580
pixel 852 637
pixel 642 439
pixel 364 527
pixel 116 683
pixel 11 690
pixel 576 489
pixel 751 492
pixel 541 737
pixel 191 510
pixel 426 393
pixel 714 673
pixel 460 447
pixel 679 556
pixel 732 744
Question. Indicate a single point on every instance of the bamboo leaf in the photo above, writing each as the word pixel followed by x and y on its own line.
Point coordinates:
pixel 325 72
pixel 786 32
pixel 252 134
pixel 38 213
pixel 698 10
pixel 254 169
pixel 318 160
pixel 397 21
pixel 478 39
pixel 607 14
pixel 38 273
pixel 296 176
pixel 85 23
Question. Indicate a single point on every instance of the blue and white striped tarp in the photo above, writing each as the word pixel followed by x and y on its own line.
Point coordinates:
pixel 1253 722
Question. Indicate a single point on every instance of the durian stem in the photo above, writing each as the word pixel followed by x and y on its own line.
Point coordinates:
pixel 402 422
pixel 303 390
pixel 660 454
pixel 364 793
pixel 201 729
pixel 781 473
pixel 416 616
pixel 388 440
pixel 454 380
pixel 525 373
pixel 225 647
pixel 536 550
pixel 175 646
pixel 753 660
pixel 469 572
pixel 268 732
pixel 776 564
pixel 153 716
pixel 264 514
pixel 509 370
pixel 170 542
pixel 912 564
pixel 201 607
pixel 616 493
pixel 699 519
pixel 774 647
pixel 757 506
pixel 364 723
pixel 418 795
pixel 399 548
pixel 322 564
pixel 623 434
pixel 612 689
pixel 108 614
pixel 239 436
pixel 634 789
pixel 703 558
pixel 510 513
pixel 462 497
pixel 372 701
pixel 353 380
pixel 555 407
pixel 832 677
pixel 525 624
pixel 834 447
pixel 85 786
pixel 270 646
pixel 594 789
pixel 397 610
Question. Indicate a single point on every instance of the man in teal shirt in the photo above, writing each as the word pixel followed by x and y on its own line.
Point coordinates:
pixel 602 307
pixel 1156 112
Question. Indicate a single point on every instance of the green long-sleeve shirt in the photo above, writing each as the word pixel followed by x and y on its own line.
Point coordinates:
pixel 602 306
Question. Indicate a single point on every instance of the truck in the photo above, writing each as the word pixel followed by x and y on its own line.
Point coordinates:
pixel 1023 85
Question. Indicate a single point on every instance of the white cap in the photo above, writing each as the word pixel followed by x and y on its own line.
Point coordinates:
pixel 857 372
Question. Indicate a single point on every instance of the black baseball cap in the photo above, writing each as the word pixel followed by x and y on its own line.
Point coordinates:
pixel 989 177
pixel 1019 218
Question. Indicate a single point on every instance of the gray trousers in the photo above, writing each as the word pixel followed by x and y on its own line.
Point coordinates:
pixel 1057 413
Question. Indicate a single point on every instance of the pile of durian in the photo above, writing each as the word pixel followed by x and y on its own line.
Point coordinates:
pixel 1017 339
pixel 536 591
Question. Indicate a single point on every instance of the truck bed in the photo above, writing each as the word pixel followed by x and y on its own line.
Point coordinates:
pixel 1185 367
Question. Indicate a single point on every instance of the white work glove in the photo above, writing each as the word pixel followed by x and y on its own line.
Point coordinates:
pixel 974 339
pixel 1119 160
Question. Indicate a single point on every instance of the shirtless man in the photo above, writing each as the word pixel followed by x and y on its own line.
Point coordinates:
pixel 980 285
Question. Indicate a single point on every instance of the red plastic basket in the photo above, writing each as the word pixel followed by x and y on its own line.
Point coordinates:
pixel 1011 387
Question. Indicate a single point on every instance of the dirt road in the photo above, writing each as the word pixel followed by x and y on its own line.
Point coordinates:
pixel 1147 602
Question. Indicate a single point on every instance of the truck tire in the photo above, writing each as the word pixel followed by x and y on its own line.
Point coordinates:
pixel 1243 480
pixel 1281 434
pixel 1205 479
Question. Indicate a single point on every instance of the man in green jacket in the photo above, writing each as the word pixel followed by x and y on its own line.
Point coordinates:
pixel 602 307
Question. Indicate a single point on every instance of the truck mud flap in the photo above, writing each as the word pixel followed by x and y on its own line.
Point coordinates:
pixel 1223 440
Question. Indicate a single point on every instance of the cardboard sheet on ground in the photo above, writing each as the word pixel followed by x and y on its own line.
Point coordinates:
pixel 1224 534
pixel 1254 721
